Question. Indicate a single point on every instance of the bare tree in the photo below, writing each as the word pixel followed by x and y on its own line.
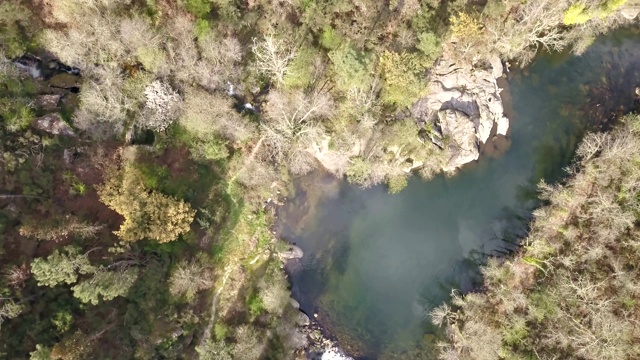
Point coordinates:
pixel 17 275
pixel 189 277
pixel 293 125
pixel 162 106
pixel 207 114
pixel 537 23
pixel 272 57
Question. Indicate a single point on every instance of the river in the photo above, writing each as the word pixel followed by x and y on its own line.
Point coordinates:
pixel 375 263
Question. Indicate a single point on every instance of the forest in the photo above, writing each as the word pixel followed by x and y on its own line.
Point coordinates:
pixel 143 140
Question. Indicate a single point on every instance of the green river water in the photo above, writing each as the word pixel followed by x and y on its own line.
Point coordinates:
pixel 375 263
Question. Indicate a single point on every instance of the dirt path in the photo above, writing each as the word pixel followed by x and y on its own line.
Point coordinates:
pixel 212 319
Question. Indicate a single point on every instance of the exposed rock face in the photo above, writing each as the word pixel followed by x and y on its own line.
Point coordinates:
pixel 455 124
pixel 462 107
pixel 630 12
pixel 53 124
pixel 303 319
pixel 293 252
pixel 48 102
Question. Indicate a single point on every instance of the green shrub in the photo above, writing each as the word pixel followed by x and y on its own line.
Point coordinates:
pixel 255 305
pixel 152 58
pixel 301 69
pixel 358 171
pixel 396 183
pixel 153 176
pixel 330 39
pixel 430 46
pixel 352 68
pixel 221 331
pixel 209 149
pixel 199 8
pixel 62 321
pixel 404 77
pixel 576 15
pixel 16 28
pixel 202 28
pixel 515 332
pixel 17 117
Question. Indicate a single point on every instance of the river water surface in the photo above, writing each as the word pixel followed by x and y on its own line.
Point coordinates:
pixel 375 264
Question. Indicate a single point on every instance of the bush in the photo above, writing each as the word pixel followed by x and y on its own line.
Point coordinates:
pixel 249 345
pixel 208 149
pixel 199 8
pixel 404 77
pixel 351 68
pixel 396 183
pixel 190 277
pixel 274 292
pixel 302 69
pixel 576 15
pixel 255 305
pixel 359 170
pixel 330 39
pixel 206 115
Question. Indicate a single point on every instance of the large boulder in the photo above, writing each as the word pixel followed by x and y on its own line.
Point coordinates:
pixel 459 129
pixel 464 102
pixel 48 102
pixel 630 12
pixel 53 124
pixel 302 319
pixel 292 252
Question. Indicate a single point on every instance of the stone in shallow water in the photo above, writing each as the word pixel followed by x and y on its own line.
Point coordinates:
pixel 303 319
pixel 334 355
pixel 294 303
pixel 53 124
pixel 293 252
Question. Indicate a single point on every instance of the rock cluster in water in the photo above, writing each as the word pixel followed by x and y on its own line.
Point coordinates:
pixel 462 109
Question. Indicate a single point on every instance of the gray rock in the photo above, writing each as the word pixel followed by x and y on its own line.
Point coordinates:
pixel 65 81
pixel 630 12
pixel 53 124
pixel 69 155
pixel 459 129
pixel 294 303
pixel 293 252
pixel 298 340
pixel 48 102
pixel 466 103
pixel 303 319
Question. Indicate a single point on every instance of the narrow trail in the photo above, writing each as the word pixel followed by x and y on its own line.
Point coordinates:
pixel 212 319
pixel 249 159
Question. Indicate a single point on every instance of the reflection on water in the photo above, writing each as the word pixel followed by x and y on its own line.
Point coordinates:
pixel 375 264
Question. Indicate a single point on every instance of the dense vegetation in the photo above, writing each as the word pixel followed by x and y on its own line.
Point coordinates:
pixel 145 235
pixel 573 292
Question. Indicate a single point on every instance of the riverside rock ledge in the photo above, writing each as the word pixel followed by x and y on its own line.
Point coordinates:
pixel 462 109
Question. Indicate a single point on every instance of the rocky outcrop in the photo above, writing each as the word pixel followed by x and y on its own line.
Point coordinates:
pixel 462 109
pixel 53 124
pixel 48 102
pixel 630 12
pixel 293 252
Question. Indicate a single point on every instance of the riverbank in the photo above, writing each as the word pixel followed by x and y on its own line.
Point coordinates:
pixel 372 258
pixel 133 186
pixel 571 291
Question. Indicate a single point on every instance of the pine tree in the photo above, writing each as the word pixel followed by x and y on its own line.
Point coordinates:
pixel 61 267
pixel 105 284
